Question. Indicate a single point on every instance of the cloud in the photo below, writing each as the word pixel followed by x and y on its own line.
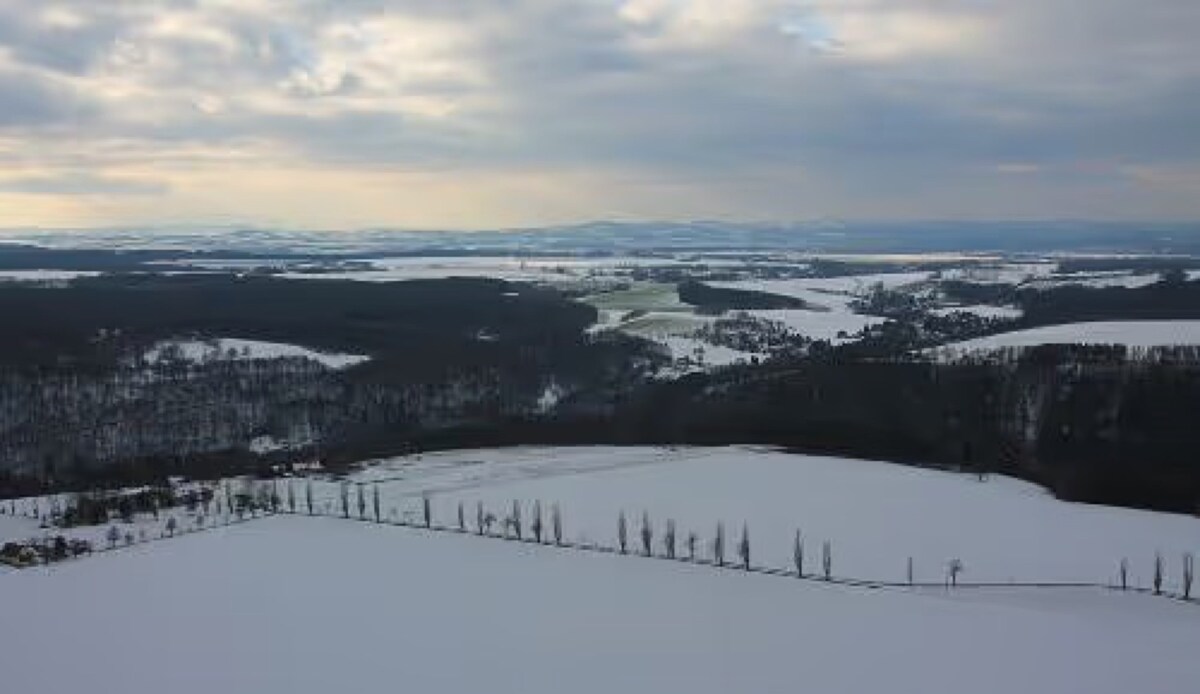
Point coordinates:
pixel 80 184
pixel 754 108
pixel 26 102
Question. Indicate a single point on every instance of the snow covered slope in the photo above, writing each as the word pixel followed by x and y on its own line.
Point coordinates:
pixel 237 349
pixel 876 515
pixel 298 606
pixel 1131 333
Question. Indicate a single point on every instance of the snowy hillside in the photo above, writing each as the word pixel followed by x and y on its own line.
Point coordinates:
pixel 1130 333
pixel 44 276
pixel 298 605
pixel 875 514
pixel 235 349
pixel 830 297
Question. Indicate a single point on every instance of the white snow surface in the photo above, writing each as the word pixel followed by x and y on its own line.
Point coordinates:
pixel 298 606
pixel 700 354
pixel 1129 280
pixel 1130 333
pixel 981 310
pixel 821 325
pixel 48 276
pixel 876 515
pixel 224 348
pixel 1002 273
pixel 515 269
pixel 812 289
pixel 831 296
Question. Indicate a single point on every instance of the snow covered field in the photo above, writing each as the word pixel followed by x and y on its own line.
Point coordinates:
pixel 834 326
pixel 298 605
pixel 550 270
pixel 44 276
pixel 830 292
pixel 232 348
pixel 876 515
pixel 831 296
pixel 981 310
pixel 1129 280
pixel 1130 333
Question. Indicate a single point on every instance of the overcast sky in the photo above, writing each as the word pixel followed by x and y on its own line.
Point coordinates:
pixel 496 113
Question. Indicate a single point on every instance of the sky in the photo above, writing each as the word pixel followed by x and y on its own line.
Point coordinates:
pixel 500 113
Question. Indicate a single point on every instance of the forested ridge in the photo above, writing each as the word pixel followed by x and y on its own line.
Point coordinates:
pixel 458 363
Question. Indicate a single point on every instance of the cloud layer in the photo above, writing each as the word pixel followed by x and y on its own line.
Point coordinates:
pixel 486 113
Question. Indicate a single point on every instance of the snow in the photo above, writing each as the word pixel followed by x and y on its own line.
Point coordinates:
pixel 877 515
pixel 516 269
pixel 704 354
pixel 222 348
pixel 48 276
pixel 269 444
pixel 664 319
pixel 1004 273
pixel 861 284
pixel 141 527
pixel 298 605
pixel 655 325
pixel 821 325
pixel 16 527
pixel 831 297
pixel 825 291
pixel 1129 333
pixel 981 310
pixel 1096 280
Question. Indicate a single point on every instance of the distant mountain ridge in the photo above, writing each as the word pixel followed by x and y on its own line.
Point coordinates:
pixel 608 238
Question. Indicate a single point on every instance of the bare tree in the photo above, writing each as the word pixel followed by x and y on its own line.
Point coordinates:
pixel 827 559
pixel 362 502
pixel 669 539
pixel 1188 575
pixel 556 522
pixel 536 525
pixel 647 535
pixel 798 554
pixel 375 503
pixel 622 532
pixel 427 510
pixel 291 496
pixel 744 547
pixel 479 519
pixel 1158 574
pixel 344 492
pixel 308 497
pixel 515 519
pixel 953 569
pixel 719 545
pixel 462 518
pixel 1124 573
pixel 691 545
